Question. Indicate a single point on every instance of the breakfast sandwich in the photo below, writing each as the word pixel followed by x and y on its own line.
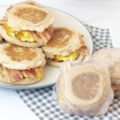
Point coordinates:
pixel 111 57
pixel 20 65
pixel 84 88
pixel 65 45
pixel 27 24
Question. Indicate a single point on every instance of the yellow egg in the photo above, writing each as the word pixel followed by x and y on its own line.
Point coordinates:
pixel 25 36
pixel 73 56
pixel 39 73
pixel 9 30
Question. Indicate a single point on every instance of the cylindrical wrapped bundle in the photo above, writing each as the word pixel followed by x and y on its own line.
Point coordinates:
pixel 111 57
pixel 84 88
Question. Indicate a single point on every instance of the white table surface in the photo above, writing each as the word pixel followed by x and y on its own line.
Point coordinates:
pixel 100 13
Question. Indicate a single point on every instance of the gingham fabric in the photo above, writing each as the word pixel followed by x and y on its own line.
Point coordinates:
pixel 42 103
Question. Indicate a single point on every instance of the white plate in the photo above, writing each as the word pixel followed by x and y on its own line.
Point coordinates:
pixel 51 74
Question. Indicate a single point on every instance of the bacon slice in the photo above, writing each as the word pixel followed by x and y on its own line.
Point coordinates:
pixel 17 75
pixel 47 34
pixel 13 75
pixel 37 37
pixel 83 50
pixel 43 37
pixel 29 73
pixel 4 20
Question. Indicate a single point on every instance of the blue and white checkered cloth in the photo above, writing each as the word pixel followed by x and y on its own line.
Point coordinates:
pixel 44 106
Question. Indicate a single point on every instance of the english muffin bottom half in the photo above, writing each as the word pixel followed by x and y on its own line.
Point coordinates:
pixel 20 65
pixel 27 24
pixel 84 88
pixel 111 57
pixel 65 45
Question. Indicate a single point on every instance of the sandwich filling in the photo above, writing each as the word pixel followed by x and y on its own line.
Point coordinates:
pixel 13 75
pixel 29 36
pixel 73 55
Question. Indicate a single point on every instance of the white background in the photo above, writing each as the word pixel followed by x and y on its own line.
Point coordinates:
pixel 101 13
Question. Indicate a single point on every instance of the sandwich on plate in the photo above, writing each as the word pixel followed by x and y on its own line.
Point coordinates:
pixel 27 24
pixel 65 45
pixel 111 57
pixel 20 65
pixel 84 88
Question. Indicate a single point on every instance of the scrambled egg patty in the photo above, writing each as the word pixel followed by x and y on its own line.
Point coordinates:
pixel 23 35
pixel 71 57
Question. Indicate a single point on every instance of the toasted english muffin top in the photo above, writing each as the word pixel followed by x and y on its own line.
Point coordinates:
pixel 16 57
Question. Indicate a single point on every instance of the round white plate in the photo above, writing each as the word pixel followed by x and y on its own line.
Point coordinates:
pixel 51 74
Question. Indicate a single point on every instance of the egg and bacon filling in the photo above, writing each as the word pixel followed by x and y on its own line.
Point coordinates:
pixel 73 55
pixel 17 75
pixel 29 36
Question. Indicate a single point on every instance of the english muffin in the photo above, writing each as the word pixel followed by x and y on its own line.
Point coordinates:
pixel 65 45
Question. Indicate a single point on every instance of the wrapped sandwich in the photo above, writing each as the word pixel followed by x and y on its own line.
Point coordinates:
pixel 84 88
pixel 27 24
pixel 111 57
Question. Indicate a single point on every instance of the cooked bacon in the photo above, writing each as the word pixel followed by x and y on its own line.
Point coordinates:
pixel 83 50
pixel 43 37
pixel 14 75
pixel 47 34
pixel 50 29
pixel 38 38
pixel 29 73
pixel 4 20
pixel 17 75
